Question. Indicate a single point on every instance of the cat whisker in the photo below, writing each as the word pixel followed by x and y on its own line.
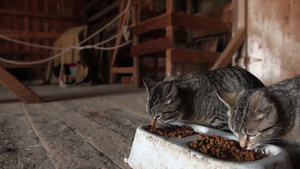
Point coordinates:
pixel 270 141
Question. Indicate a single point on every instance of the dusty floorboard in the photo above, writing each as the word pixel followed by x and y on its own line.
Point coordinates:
pixel 76 127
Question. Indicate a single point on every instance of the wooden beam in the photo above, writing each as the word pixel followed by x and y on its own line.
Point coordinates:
pixel 199 22
pixel 154 69
pixel 151 46
pixel 194 56
pixel 9 65
pixel 18 88
pixel 122 21
pixel 170 8
pixel 136 10
pixel 138 2
pixel 104 11
pixel 121 69
pixel 158 22
pixel 23 53
pixel 231 48
pixel 28 34
pixel 18 13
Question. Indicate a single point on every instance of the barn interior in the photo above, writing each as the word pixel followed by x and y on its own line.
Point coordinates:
pixel 71 90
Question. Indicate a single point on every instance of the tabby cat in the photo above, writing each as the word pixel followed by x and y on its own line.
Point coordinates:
pixel 259 116
pixel 193 97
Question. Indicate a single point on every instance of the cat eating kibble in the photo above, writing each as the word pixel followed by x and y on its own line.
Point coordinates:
pixel 193 97
pixel 258 116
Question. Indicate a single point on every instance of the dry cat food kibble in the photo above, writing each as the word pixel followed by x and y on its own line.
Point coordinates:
pixel 225 149
pixel 171 131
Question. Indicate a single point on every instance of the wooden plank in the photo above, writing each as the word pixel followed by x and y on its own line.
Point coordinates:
pixel 26 25
pixel 151 46
pixel 194 56
pixel 158 22
pixel 121 70
pixel 154 69
pixel 199 22
pixel 170 8
pixel 239 15
pixel 35 22
pixel 221 13
pixel 63 141
pixel 9 65
pixel 19 89
pixel 26 152
pixel 122 21
pixel 23 53
pixel 231 48
pixel 18 13
pixel 239 21
pixel 116 116
pixel 28 34
pixel 104 11
pixel 102 138
pixel 136 11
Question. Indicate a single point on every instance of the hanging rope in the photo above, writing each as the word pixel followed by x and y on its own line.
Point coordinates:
pixel 64 50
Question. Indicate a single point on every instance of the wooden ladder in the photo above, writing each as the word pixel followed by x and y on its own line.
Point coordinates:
pixel 168 21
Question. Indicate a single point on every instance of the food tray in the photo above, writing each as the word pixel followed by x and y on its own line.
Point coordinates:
pixel 150 151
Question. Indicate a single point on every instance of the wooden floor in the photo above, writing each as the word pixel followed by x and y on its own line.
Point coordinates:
pixel 82 127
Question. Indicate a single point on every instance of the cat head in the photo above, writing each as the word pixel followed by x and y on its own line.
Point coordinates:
pixel 162 101
pixel 252 116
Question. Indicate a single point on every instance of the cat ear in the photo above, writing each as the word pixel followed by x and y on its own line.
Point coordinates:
pixel 228 98
pixel 266 106
pixel 149 83
pixel 168 89
pixel 264 100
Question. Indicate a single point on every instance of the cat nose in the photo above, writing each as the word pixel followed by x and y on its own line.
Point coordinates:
pixel 243 144
pixel 154 120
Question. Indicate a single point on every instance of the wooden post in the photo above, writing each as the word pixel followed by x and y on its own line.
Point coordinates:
pixel 18 88
pixel 239 22
pixel 121 25
pixel 231 48
pixel 136 60
pixel 170 34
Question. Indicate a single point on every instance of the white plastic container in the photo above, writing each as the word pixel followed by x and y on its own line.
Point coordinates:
pixel 150 151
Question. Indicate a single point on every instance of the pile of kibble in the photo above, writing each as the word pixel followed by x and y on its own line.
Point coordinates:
pixel 171 131
pixel 225 149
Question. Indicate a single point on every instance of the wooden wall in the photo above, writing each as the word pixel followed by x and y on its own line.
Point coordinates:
pixel 34 21
pixel 273 43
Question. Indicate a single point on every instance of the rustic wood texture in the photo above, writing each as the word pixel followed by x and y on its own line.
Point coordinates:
pixel 234 44
pixel 273 40
pixel 10 12
pixel 158 22
pixel 18 88
pixel 122 69
pixel 28 34
pixel 79 127
pixel 20 147
pixel 37 22
pixel 151 46
pixel 194 56
pixel 192 21
pixel 121 25
pixel 135 40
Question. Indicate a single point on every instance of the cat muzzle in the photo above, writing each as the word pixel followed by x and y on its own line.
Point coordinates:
pixel 154 121
pixel 243 144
